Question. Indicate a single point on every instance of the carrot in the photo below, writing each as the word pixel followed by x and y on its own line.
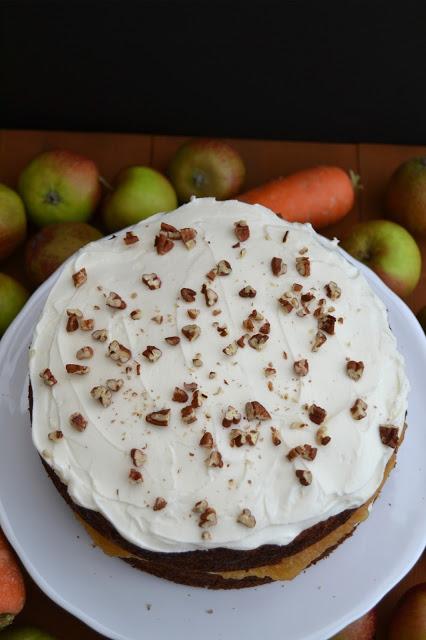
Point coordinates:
pixel 12 588
pixel 320 195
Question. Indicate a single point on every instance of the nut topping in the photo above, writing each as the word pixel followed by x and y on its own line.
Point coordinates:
pixel 170 231
pixel 138 457
pixel 241 341
pixel 72 322
pixel 48 378
pixel 222 329
pixel 223 268
pixel 188 295
pixel 55 436
pixel 247 518
pixel 191 332
pixel 79 278
pixel 389 435
pixel 317 414
pixel 190 386
pixel 247 292
pixel 77 369
pixel 115 301
pixel 152 353
pixel 322 436
pixel 85 353
pixel 265 328
pixel 359 409
pixel 238 438
pixel 211 275
pixel 269 372
pixel 256 411
pixel 319 340
pixel 276 436
pixel 214 460
pixel 208 518
pixel 231 349
pixel 242 230
pixel 326 323
pixel 305 477
pixel 103 394
pixel 305 451
pixel 163 244
pixel 200 506
pixel 210 296
pixel 278 266
pixel 101 335
pixel 206 440
pixel 197 399
pixel 193 313
pixel 151 280
pixel 86 324
pixel 232 416
pixel 258 341
pixel 355 369
pixel 188 415
pixel 172 340
pixel 78 421
pixel 179 395
pixel 303 266
pixel 118 352
pixel 159 504
pixel 287 304
pixel 159 418
pixel 301 367
pixel 135 476
pixel 114 384
pixel 332 290
pixel 130 238
pixel 188 236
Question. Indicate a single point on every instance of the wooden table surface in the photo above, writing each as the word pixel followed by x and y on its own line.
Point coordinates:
pixel 264 160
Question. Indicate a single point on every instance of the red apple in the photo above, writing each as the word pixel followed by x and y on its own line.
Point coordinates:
pixel 13 222
pixel 408 619
pixel 362 629
pixel 13 296
pixel 60 186
pixel 206 168
pixel 51 246
pixel 389 250
pixel 405 198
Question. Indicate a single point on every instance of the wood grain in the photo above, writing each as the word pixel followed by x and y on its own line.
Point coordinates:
pixel 264 160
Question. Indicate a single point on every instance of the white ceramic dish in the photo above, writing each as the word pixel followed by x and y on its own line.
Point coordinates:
pixel 125 604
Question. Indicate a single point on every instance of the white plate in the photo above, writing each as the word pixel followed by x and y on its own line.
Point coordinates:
pixel 114 599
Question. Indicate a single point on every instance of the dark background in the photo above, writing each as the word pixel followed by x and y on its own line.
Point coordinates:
pixel 347 71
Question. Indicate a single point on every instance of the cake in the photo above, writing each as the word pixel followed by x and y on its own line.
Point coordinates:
pixel 217 394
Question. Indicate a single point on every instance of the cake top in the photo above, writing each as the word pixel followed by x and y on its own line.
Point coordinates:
pixel 215 377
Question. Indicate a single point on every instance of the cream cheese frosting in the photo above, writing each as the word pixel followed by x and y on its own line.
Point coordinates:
pixel 95 463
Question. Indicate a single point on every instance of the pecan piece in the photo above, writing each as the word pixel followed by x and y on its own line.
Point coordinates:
pixel 159 418
pixel 332 290
pixel 159 504
pixel 322 436
pixel 258 341
pixel 85 353
pixel 72 322
pixel 278 267
pixel 265 328
pixel 170 231
pixel 48 378
pixel 78 421
pixel 301 367
pixel 138 457
pixel 242 230
pixel 136 314
pixel 114 384
pixel 101 335
pixel 241 341
pixel 193 313
pixel 103 394
pixel 206 440
pixel 208 518
pixel 179 395
pixel 223 268
pixel 215 460
pixel 305 451
pixel 79 278
pixel 326 323
pixel 190 386
pixel 276 436
pixel 151 280
pixel 163 244
pixel 305 477
pixel 130 238
pixel 317 414
pixel 118 352
pixel 232 416
pixel 172 340
pixel 359 409
pixel 188 415
pixel 231 349
pixel 77 369
pixel 197 399
pixel 355 369
pixel 188 236
pixel 319 340
pixel 188 295
pixel 389 435
pixel 287 304
pixel 86 324
pixel 210 296
pixel 191 332
pixel 256 411
pixel 247 518
pixel 115 301
pixel 269 372
pixel 135 476
pixel 200 506
pixel 55 436
pixel 236 438
pixel 222 329
pixel 152 353
pixel 247 292
pixel 303 266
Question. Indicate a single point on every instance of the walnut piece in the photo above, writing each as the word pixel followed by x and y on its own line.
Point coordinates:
pixel 265 328
pixel 287 304
pixel 305 451
pixel 72 322
pixel 231 349
pixel 114 384
pixel 322 436
pixel 170 231
pixel 210 296
pixel 247 518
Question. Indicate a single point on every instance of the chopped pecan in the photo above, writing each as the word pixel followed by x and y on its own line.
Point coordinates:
pixel 317 414
pixel 265 328
pixel 135 476
pixel 188 236
pixel 114 384
pixel 196 361
pixel 236 438
pixel 159 504
pixel 212 375
pixel 172 340
pixel 256 316
pixel 138 457
pixel 103 394
pixel 214 460
pixel 118 352
pixel 188 415
pixel 276 436
pixel 72 322
pixel 152 353
pixel 286 304
pixel 101 335
pixel 241 341
pixel 179 395
pixel 158 318
pixel 170 231
pixel 78 421
pixel 206 440
pixel 55 436
pixel 197 399
pixel 269 372
pixel 151 280
pixel 247 292
pixel 193 313
pixel 258 341
pixel 190 386
pixel 231 349
pixel 322 436
pixel 74 312
pixel 359 409
pixel 208 518
pixel 303 266
pixel 248 324
pixel 210 296
pixel 332 290
pixel 159 418
pixel 355 369
pixel 200 506
pixel 77 369
pixel 223 268
pixel 86 324
pixel 247 518
pixel 256 411
pixel 242 230
pixel 389 435
pixel 130 238
pixel 191 332
pixel 85 353
pixel 278 266
pixel 319 340
pixel 80 277
pixel 297 287
pixel 222 329
pixel 301 367
pixel 163 244
pixel 232 416
pixel 305 477
pixel 307 297
pixel 326 323
pixel 305 451
pixel 115 301
pixel 48 378
pixel 188 294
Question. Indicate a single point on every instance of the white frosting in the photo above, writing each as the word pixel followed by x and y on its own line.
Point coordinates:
pixel 95 463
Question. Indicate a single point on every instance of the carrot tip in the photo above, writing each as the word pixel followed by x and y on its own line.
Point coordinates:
pixel 5 620
pixel 356 181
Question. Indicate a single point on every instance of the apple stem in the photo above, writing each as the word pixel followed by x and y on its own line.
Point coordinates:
pixel 356 181
pixel 104 182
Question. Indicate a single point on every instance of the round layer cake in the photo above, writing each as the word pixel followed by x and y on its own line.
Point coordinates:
pixel 217 393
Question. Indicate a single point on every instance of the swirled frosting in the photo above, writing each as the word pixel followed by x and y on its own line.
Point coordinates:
pixel 256 476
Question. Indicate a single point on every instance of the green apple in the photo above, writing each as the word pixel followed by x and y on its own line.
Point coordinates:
pixel 13 296
pixel 138 193
pixel 25 633
pixel 13 222
pixel 362 629
pixel 408 620
pixel 60 186
pixel 204 167
pixel 405 198
pixel 51 246
pixel 389 250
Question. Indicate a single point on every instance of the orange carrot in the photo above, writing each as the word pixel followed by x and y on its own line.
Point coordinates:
pixel 320 195
pixel 12 588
